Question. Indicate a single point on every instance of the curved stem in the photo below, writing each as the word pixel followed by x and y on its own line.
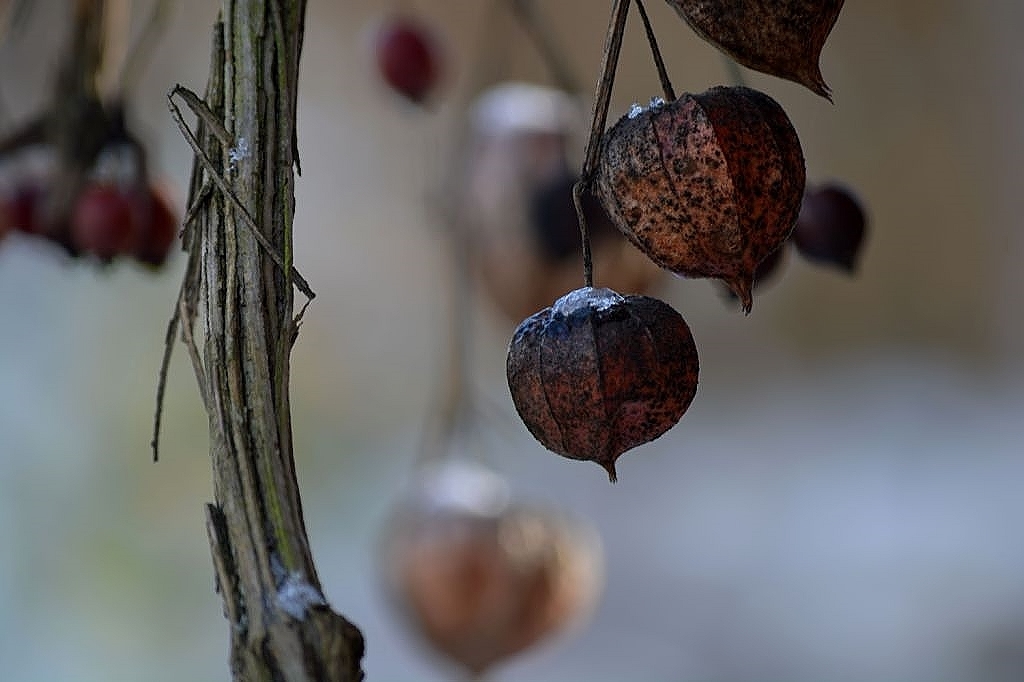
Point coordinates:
pixel 603 94
pixel 138 56
pixel 546 45
pixel 444 425
pixel 735 73
pixel 588 257
pixel 598 119
pixel 659 63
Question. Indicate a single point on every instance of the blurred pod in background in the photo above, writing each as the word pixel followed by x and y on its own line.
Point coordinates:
pixel 517 205
pixel 480 577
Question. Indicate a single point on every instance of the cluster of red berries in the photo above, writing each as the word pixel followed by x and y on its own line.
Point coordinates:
pixel 107 220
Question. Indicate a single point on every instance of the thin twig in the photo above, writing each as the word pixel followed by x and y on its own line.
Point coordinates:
pixel 115 30
pixel 445 213
pixel 659 63
pixel 247 219
pixel 141 52
pixel 225 570
pixel 581 186
pixel 603 95
pixel 547 45
pixel 199 108
pixel 187 314
pixel 450 417
pixel 602 98
pixel 297 322
pixel 13 19
pixel 28 135
pixel 161 385
pixel 201 197
pixel 182 317
pixel 734 70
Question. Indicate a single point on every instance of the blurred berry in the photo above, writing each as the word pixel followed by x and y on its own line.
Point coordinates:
pixel 831 226
pixel 407 58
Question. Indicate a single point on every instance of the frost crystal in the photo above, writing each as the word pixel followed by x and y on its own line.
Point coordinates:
pixel 635 110
pixel 598 299
pixel 239 151
pixel 296 596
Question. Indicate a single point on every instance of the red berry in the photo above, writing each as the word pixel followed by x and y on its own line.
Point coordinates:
pixel 831 226
pixel 407 58
pixel 102 222
pixel 19 209
pixel 155 225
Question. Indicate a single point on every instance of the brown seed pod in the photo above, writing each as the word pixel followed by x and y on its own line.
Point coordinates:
pixel 515 203
pixel 783 38
pixel 831 226
pixel 767 271
pixel 597 374
pixel 706 186
pixel 480 578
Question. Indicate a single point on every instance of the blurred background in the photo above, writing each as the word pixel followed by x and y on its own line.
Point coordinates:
pixel 841 502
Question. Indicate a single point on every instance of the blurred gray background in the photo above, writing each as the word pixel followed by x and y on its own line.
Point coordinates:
pixel 841 502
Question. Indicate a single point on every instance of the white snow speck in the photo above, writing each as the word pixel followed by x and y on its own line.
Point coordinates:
pixel 239 151
pixel 515 108
pixel 635 110
pixel 296 596
pixel 656 103
pixel 463 484
pixel 595 298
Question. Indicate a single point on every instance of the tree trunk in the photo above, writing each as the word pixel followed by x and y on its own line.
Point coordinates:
pixel 240 287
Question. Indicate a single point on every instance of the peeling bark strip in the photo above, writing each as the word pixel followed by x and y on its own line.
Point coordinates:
pixel 239 287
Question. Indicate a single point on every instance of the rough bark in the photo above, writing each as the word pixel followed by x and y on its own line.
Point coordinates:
pixel 238 292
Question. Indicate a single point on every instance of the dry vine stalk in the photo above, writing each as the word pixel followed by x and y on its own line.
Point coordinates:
pixel 239 283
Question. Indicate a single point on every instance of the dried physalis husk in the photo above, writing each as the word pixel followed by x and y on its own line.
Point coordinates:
pixel 783 38
pixel 480 578
pixel 517 210
pixel 597 374
pixel 766 271
pixel 831 226
pixel 708 185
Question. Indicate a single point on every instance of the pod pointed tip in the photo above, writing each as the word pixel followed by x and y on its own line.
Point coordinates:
pixel 742 288
pixel 815 82
pixel 610 468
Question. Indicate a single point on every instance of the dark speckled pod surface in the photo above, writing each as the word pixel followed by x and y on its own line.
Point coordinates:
pixel 706 186
pixel 597 374
pixel 781 37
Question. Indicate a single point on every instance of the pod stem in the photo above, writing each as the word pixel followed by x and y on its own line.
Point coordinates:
pixel 734 71
pixel 546 44
pixel 598 118
pixel 659 63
